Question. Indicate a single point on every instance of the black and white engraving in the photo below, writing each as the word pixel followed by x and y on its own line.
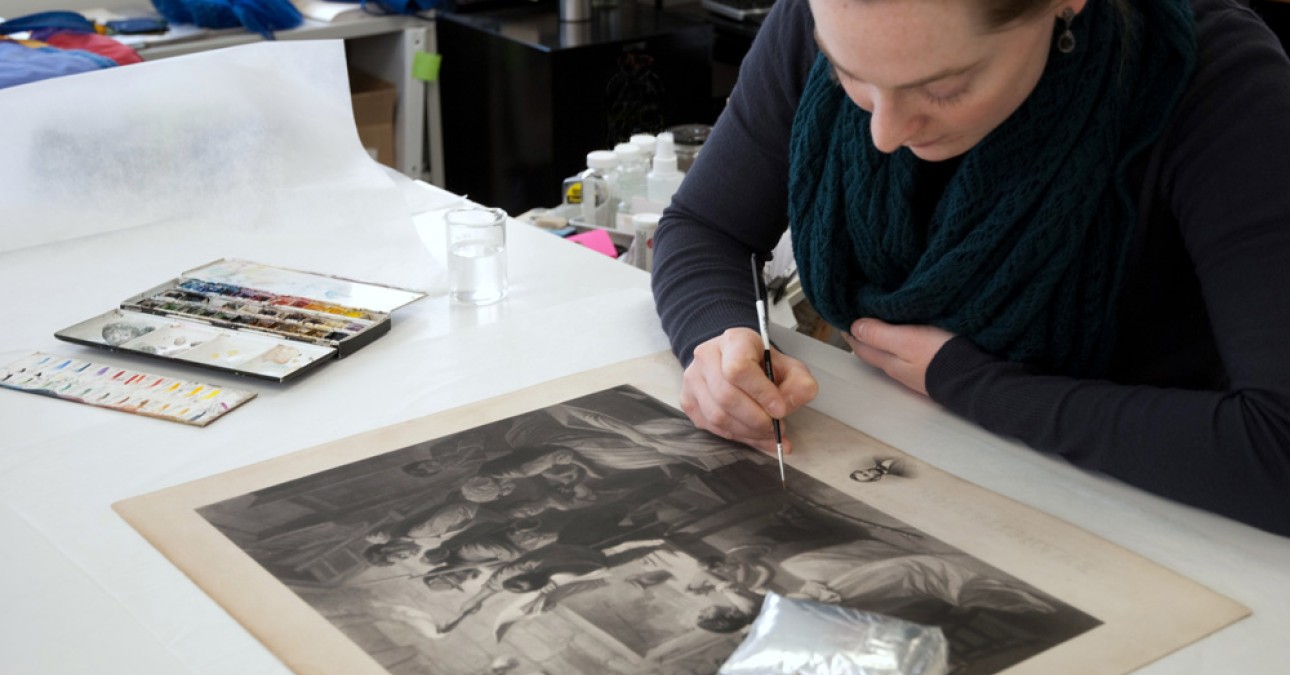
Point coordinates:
pixel 607 534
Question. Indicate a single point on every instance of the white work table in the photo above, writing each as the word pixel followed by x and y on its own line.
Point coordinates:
pixel 82 592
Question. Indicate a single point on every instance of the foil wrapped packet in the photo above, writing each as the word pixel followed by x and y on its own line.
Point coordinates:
pixel 803 636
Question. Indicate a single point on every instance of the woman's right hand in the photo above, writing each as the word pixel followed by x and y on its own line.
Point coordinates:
pixel 726 391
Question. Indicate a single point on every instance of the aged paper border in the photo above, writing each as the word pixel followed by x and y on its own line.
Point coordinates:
pixel 1147 611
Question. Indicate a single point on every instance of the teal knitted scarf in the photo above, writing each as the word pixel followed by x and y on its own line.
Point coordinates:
pixel 1026 247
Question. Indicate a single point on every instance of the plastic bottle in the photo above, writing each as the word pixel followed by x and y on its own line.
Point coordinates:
pixel 630 182
pixel 592 190
pixel 571 188
pixel 664 178
pixel 644 225
pixel 646 143
pixel 688 139
pixel 571 192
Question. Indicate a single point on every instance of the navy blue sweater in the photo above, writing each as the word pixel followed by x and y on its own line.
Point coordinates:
pixel 1197 404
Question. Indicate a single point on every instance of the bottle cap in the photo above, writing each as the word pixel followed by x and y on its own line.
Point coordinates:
pixel 665 155
pixel 627 151
pixel 601 159
pixel 645 142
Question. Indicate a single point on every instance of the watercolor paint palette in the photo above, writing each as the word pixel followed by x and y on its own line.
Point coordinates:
pixel 247 318
pixel 108 386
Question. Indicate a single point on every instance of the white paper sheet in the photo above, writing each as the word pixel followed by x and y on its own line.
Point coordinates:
pixel 252 139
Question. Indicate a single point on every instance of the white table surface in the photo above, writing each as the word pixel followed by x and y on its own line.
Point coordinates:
pixel 81 592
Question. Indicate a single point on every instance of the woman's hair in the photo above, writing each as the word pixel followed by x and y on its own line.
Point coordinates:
pixel 1000 13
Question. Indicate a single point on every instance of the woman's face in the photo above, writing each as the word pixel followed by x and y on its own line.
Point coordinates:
pixel 935 78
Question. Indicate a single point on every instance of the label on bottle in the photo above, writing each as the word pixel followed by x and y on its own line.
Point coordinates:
pixel 644 226
pixel 572 191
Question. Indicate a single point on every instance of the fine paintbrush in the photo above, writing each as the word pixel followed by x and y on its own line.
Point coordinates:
pixel 759 287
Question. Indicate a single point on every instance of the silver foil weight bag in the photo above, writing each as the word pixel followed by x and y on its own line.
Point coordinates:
pixel 803 636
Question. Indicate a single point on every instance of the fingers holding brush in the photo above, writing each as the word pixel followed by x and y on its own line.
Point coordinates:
pixel 725 389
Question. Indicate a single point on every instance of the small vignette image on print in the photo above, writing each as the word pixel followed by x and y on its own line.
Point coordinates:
pixel 607 534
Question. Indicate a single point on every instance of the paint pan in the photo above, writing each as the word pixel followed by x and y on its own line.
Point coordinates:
pixel 247 318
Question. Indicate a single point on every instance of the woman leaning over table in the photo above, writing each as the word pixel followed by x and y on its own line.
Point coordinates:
pixel 1065 220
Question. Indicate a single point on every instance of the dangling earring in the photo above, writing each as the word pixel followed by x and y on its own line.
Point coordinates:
pixel 1066 41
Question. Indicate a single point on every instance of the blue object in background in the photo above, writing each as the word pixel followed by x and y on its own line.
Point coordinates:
pixel 58 19
pixel 381 7
pixel 20 64
pixel 260 16
pixel 136 26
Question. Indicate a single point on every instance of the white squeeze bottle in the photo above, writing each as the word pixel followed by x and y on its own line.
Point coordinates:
pixel 646 143
pixel 630 182
pixel 597 188
pixel 664 178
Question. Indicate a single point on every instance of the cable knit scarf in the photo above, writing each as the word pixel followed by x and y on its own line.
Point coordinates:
pixel 1025 250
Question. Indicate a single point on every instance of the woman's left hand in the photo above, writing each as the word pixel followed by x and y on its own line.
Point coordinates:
pixel 903 352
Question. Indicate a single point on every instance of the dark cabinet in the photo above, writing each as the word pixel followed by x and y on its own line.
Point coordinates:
pixel 525 97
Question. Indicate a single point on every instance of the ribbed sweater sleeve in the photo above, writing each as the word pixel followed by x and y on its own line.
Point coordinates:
pixel 733 201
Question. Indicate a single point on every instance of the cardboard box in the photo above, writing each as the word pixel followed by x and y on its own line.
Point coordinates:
pixel 373 100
